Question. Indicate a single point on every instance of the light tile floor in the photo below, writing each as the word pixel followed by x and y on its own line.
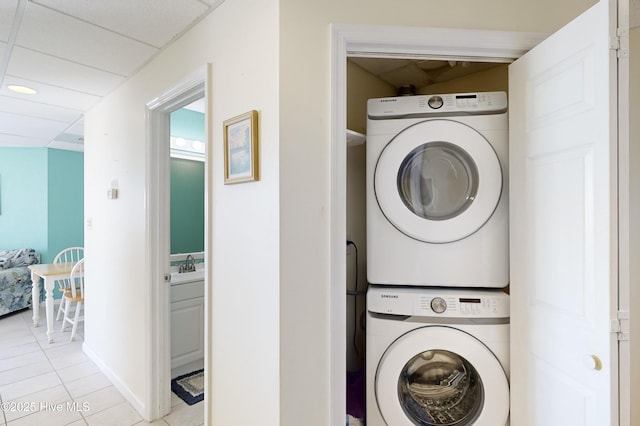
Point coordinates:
pixel 44 384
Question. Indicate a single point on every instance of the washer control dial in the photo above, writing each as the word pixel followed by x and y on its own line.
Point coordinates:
pixel 438 305
pixel 435 102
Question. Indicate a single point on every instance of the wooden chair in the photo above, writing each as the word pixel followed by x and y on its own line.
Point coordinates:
pixel 74 294
pixel 68 255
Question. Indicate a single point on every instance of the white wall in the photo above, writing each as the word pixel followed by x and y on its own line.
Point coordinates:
pixel 240 40
pixel 305 164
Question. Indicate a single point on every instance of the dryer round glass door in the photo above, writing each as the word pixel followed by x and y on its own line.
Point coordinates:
pixel 455 382
pixel 438 181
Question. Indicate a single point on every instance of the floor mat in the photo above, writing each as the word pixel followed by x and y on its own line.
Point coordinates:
pixel 189 387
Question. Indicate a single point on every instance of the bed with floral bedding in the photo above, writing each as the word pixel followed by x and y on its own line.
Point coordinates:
pixel 15 279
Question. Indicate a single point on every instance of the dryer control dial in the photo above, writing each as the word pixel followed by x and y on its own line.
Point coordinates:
pixel 435 102
pixel 438 305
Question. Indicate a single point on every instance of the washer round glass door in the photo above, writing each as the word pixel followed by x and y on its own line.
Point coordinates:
pixel 438 181
pixel 454 382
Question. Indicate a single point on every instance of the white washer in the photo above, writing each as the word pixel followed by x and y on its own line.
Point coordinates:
pixel 437 356
pixel 437 207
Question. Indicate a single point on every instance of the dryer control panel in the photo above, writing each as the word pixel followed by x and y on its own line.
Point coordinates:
pixel 438 302
pixel 434 105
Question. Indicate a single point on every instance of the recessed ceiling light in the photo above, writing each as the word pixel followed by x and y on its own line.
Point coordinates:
pixel 24 90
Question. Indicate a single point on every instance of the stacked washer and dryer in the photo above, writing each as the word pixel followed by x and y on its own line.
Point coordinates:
pixel 437 260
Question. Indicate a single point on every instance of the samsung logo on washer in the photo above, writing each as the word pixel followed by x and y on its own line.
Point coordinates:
pixel 389 296
pixel 389 100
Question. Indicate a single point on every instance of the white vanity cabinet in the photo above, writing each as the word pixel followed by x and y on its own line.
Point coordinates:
pixel 187 321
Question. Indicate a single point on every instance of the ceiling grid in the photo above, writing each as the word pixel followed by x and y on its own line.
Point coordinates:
pixel 50 46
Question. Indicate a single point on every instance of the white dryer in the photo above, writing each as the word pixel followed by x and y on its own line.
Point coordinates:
pixel 437 356
pixel 437 207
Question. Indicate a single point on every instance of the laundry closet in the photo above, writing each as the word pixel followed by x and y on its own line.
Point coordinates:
pixel 378 78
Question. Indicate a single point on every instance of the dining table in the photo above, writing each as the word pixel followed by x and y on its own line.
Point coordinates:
pixel 49 273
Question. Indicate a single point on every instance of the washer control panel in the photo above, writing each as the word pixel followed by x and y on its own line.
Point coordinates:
pixel 438 305
pixel 435 302
pixel 426 105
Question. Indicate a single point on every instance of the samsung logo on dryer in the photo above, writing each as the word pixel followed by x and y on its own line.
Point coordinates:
pixel 389 100
pixel 389 296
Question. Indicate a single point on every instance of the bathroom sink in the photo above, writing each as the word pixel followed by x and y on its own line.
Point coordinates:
pixel 185 277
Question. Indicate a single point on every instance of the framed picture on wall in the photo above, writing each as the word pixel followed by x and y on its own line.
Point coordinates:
pixel 241 159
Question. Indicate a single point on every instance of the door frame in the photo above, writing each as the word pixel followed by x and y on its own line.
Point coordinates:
pixel 386 42
pixel 157 206
pixel 628 18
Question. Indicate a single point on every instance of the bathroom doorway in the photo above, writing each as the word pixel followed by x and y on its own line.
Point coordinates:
pixel 158 204
pixel 187 254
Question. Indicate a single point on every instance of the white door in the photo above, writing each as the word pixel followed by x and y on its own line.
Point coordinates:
pixel 563 191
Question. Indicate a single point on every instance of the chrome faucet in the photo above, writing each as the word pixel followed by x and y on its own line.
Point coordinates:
pixel 189 265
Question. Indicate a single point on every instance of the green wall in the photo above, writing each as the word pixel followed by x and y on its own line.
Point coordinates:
pixel 23 198
pixel 66 200
pixel 41 199
pixel 187 187
pixel 187 206
pixel 187 124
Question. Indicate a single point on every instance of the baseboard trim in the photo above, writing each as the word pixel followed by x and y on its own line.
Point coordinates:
pixel 117 382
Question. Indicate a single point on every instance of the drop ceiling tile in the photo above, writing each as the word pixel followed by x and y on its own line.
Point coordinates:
pixel 77 128
pixel 30 127
pixel 3 47
pixel 51 95
pixel 7 14
pixel 12 141
pixel 213 3
pixel 51 32
pixel 61 73
pixel 164 19
pixel 70 138
pixel 36 109
pixel 67 146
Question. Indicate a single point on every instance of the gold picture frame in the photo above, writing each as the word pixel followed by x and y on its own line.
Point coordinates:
pixel 241 156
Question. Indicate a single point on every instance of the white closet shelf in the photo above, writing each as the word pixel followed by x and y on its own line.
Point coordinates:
pixel 354 138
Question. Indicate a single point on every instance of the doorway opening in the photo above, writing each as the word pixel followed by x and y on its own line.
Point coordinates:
pixel 186 94
pixel 187 253
pixel 354 50
pixel 368 78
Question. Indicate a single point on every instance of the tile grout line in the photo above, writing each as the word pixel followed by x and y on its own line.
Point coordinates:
pixel 26 325
pixel 55 370
pixel 64 384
